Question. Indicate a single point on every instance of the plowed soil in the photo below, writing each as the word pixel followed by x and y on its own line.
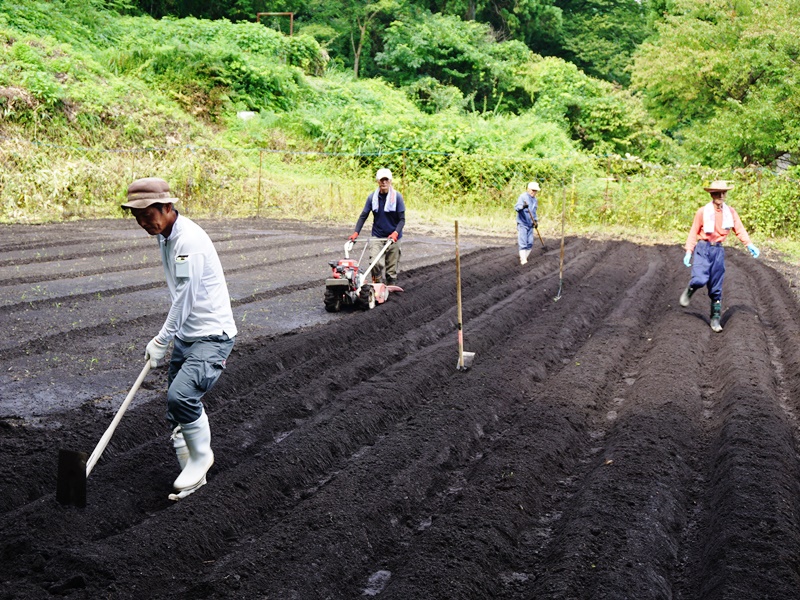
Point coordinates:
pixel 605 445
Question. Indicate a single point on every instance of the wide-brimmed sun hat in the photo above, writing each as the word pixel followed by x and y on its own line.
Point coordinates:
pixel 719 185
pixel 148 190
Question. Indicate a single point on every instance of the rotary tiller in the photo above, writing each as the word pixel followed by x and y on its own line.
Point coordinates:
pixel 346 286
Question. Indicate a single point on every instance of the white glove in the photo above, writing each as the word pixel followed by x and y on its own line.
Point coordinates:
pixel 154 352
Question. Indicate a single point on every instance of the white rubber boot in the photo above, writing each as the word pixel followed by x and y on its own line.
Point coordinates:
pixel 523 257
pixel 179 444
pixel 527 254
pixel 197 437
pixel 182 452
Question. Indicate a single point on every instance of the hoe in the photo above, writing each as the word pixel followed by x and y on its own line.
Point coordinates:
pixel 464 358
pixel 74 469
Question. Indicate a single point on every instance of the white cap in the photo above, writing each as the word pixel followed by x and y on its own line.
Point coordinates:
pixel 534 186
pixel 383 173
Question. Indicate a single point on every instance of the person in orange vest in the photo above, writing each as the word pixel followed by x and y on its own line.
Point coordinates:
pixel 710 227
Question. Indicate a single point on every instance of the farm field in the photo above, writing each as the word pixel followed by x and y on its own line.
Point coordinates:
pixel 605 445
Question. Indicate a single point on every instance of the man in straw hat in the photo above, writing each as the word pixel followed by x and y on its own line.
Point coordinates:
pixel 388 219
pixel 526 220
pixel 711 225
pixel 199 323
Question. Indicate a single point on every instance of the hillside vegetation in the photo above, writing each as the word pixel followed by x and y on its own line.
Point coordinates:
pixel 245 120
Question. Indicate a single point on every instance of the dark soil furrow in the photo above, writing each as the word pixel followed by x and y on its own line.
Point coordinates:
pixel 292 359
pixel 55 302
pixel 79 312
pixel 751 531
pixel 109 244
pixel 607 445
pixel 591 391
pixel 514 483
pixel 605 525
pixel 456 456
pixel 778 315
pixel 450 453
pixel 256 492
pixel 124 261
pixel 692 537
pixel 285 442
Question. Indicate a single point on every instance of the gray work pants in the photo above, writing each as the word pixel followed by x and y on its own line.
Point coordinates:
pixel 389 266
pixel 193 370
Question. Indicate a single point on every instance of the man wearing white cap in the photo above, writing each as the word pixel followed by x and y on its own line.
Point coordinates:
pixel 710 227
pixel 199 323
pixel 526 220
pixel 388 218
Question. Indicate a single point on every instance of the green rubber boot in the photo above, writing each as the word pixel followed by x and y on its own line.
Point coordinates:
pixel 686 296
pixel 716 312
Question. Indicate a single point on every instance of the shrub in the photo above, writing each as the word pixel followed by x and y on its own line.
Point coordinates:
pixel 457 53
pixel 602 118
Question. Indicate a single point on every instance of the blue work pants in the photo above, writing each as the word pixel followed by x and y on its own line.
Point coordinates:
pixel 524 236
pixel 708 268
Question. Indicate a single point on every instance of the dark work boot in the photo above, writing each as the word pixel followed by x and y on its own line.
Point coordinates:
pixel 686 296
pixel 716 311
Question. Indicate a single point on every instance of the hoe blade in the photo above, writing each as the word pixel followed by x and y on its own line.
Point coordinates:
pixel 71 487
pixel 465 361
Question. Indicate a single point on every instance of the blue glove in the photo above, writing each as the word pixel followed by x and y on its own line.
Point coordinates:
pixel 687 259
pixel 753 250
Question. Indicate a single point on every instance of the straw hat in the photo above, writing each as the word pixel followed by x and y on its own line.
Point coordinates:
pixel 718 186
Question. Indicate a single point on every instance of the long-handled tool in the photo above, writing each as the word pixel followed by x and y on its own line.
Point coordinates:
pixel 74 468
pixel 561 260
pixel 464 358
pixel 536 227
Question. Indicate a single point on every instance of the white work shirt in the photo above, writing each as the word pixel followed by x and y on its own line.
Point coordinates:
pixel 201 305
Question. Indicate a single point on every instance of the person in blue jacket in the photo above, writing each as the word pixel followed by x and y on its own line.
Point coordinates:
pixel 388 218
pixel 526 220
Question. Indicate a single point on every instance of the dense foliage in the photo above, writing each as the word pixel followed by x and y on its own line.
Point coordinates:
pixel 597 35
pixel 89 98
pixel 720 76
pixel 459 54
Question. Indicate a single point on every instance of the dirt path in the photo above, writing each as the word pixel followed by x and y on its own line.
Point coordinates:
pixel 608 445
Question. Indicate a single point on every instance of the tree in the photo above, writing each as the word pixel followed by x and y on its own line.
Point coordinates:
pixel 364 15
pixel 537 23
pixel 600 36
pixel 720 77
pixel 601 117
pixel 462 54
